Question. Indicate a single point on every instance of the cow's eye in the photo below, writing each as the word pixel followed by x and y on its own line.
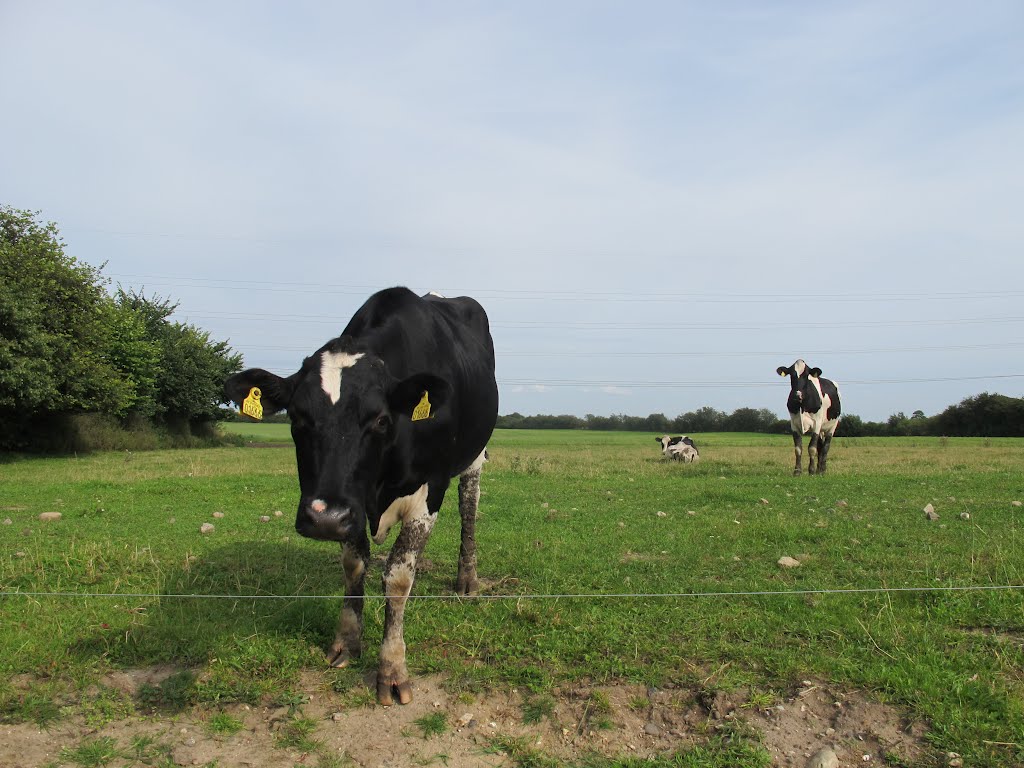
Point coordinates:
pixel 382 423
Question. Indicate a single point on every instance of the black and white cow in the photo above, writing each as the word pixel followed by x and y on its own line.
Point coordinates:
pixel 814 409
pixel 680 448
pixel 383 417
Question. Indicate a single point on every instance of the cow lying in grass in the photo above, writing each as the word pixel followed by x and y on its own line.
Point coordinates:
pixel 680 448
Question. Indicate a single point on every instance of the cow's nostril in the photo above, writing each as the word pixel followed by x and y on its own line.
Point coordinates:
pixel 318 506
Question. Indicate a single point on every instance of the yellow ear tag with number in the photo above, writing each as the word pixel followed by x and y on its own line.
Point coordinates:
pixel 251 406
pixel 422 409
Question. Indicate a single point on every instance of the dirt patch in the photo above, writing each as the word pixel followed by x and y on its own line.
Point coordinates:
pixel 575 721
pixel 859 730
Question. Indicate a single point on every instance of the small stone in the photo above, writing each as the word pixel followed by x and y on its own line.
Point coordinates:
pixel 930 513
pixel 8 521
pixel 765 501
pixel 690 512
pixel 662 514
pixel 218 514
pixel 337 717
pixel 278 513
pixel 49 516
pixel 965 515
pixel 465 720
pixel 842 503
pixel 823 758
pixel 19 554
pixel 264 518
pixel 206 528
pixel 1015 503
pixel 651 729
pixel 789 562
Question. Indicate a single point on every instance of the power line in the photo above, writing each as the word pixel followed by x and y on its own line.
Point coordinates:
pixel 739 384
pixel 574 295
pixel 805 353
pixel 600 325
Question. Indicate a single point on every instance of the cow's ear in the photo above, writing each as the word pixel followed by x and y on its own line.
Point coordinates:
pixel 275 392
pixel 815 372
pixel 419 396
pixel 782 370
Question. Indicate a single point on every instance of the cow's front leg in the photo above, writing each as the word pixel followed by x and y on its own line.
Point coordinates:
pixel 348 641
pixel 798 450
pixel 812 453
pixel 466 582
pixel 399 574
pixel 823 454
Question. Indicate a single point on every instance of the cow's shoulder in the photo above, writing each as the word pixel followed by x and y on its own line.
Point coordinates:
pixel 381 308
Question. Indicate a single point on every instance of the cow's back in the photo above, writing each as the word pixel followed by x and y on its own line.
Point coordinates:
pixel 449 338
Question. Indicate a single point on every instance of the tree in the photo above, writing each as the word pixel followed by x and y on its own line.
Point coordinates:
pixel 54 331
pixel 705 419
pixel 187 376
pixel 67 347
pixel 987 414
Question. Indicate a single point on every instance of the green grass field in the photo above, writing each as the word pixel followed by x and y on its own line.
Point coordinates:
pixel 562 514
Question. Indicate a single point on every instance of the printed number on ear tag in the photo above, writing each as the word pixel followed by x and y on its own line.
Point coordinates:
pixel 251 406
pixel 422 409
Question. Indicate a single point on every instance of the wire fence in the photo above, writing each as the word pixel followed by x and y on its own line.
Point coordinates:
pixel 529 596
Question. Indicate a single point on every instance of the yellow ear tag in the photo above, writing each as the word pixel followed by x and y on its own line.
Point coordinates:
pixel 251 406
pixel 422 410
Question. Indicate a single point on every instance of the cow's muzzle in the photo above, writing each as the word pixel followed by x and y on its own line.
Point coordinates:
pixel 328 521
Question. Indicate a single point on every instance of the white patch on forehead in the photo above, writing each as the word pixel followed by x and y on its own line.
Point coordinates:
pixel 331 366
pixel 799 366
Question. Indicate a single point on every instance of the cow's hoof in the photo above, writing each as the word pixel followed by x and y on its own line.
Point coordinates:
pixel 387 688
pixel 340 657
pixel 796 473
pixel 467 585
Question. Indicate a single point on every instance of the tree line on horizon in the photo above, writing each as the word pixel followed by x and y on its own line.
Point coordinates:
pixel 984 415
pixel 82 368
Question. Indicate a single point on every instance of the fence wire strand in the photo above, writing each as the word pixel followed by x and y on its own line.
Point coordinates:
pixel 528 596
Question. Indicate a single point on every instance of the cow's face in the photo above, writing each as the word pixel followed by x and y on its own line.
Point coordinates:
pixel 349 418
pixel 804 389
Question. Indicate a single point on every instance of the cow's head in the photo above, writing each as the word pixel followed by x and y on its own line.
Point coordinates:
pixel 665 441
pixel 351 421
pixel 804 390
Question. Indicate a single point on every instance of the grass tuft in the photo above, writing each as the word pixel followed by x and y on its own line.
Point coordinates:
pixel 433 724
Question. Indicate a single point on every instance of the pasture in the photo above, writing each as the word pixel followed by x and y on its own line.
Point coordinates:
pixel 592 536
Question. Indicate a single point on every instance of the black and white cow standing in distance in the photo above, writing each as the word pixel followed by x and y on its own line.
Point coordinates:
pixel 814 409
pixel 366 460
pixel 681 448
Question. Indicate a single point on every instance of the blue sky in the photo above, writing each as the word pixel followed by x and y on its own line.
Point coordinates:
pixel 657 203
